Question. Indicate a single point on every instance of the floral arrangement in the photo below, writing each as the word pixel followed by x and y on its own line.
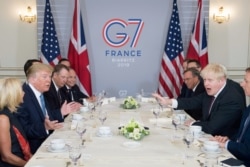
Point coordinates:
pixel 133 130
pixel 130 103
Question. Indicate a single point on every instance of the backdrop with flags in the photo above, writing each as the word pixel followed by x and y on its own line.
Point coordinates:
pixel 198 44
pixel 170 79
pixel 50 46
pixel 77 53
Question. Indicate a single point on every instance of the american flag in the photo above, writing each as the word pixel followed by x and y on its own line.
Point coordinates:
pixel 198 44
pixel 50 46
pixel 77 54
pixel 170 79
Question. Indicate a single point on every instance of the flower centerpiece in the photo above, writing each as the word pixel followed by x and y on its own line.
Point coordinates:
pixel 130 103
pixel 133 130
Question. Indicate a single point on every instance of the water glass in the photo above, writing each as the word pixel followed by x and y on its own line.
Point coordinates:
pixel 102 116
pixel 75 154
pixel 156 112
pixel 80 129
pixel 176 121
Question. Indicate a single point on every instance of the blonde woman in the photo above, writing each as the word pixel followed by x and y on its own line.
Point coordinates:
pixel 14 148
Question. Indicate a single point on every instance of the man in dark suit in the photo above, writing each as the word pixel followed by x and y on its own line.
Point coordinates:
pixel 195 84
pixel 192 63
pixel 37 119
pixel 54 95
pixel 222 103
pixel 239 145
pixel 65 62
pixel 185 92
pixel 188 63
pixel 71 90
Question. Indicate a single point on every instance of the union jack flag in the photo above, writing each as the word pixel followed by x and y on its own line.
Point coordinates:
pixel 50 46
pixel 77 54
pixel 198 44
pixel 170 79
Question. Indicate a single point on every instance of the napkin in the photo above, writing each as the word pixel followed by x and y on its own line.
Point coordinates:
pixel 163 110
pixel 112 99
pixel 108 100
pixel 161 121
pixel 148 99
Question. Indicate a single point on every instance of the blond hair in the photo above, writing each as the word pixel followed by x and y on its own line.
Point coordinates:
pixel 11 93
pixel 218 70
pixel 35 68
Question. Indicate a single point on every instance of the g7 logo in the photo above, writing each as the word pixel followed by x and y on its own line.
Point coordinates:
pixel 121 38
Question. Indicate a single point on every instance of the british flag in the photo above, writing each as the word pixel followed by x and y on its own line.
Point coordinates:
pixel 198 44
pixel 77 54
pixel 50 46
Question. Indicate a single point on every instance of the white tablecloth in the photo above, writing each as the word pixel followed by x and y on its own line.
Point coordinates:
pixel 163 147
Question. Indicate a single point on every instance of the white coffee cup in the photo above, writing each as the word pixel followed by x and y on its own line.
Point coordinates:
pixel 182 117
pixel 211 146
pixel 57 144
pixel 196 130
pixel 104 130
pixel 84 109
pixel 76 116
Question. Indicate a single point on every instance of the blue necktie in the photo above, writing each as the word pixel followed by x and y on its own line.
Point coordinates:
pixel 43 104
pixel 244 128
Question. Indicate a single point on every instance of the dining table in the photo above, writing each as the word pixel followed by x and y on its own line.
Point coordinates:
pixel 163 146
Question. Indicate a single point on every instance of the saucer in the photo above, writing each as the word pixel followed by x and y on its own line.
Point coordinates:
pixel 218 151
pixel 131 144
pixel 49 149
pixel 104 135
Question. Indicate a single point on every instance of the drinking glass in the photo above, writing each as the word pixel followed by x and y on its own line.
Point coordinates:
pixel 156 113
pixel 91 106
pixel 102 116
pixel 188 139
pixel 80 129
pixel 122 93
pixel 158 102
pixel 100 98
pixel 176 121
pixel 75 154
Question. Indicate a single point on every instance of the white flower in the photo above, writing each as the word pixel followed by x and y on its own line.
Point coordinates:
pixel 133 130
pixel 130 103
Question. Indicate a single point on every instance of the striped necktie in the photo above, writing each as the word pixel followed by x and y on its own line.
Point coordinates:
pixel 59 96
pixel 211 104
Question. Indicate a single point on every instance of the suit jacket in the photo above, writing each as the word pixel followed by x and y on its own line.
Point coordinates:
pixel 52 97
pixel 31 118
pixel 225 114
pixel 185 92
pixel 76 92
pixel 241 150
pixel 196 113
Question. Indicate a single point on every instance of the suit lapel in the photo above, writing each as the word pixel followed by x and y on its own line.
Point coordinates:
pixel 35 102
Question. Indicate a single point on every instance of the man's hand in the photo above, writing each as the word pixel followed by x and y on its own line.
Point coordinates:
pixel 52 125
pixel 70 107
pixel 189 122
pixel 221 139
pixel 163 101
